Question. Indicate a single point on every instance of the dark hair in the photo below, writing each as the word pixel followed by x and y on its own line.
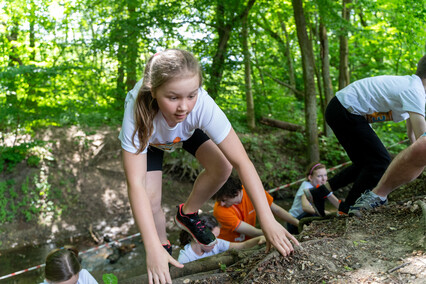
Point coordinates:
pixel 160 68
pixel 421 68
pixel 230 189
pixel 62 264
pixel 208 220
pixel 312 167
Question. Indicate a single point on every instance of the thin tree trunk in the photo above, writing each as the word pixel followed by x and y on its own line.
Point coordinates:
pixel 325 64
pixel 309 81
pixel 132 47
pixel 247 72
pixel 344 79
pixel 224 32
pixel 287 53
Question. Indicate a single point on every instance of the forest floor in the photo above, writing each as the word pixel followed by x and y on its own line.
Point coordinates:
pixel 385 246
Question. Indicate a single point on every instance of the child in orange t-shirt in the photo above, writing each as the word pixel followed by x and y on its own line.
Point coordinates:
pixel 235 212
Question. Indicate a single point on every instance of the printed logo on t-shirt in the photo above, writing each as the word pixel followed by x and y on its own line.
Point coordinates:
pixel 379 117
pixel 169 146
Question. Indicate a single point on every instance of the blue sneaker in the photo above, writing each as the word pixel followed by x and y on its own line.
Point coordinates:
pixel 367 201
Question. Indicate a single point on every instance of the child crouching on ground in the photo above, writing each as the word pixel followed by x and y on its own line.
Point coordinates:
pixel 316 175
pixel 235 212
pixel 193 250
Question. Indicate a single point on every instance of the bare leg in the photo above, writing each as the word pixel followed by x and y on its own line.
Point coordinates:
pixel 406 166
pixel 216 171
pixel 154 192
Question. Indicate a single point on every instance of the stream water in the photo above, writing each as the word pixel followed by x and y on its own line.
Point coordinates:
pixel 96 262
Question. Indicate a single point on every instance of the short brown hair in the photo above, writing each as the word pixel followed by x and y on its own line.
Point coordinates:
pixel 230 189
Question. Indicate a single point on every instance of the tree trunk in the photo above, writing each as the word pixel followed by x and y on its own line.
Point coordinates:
pixel 344 49
pixel 202 265
pixel 308 65
pixel 325 64
pixel 247 72
pixel 282 124
pixel 120 69
pixel 224 31
pixel 287 52
pixel 132 46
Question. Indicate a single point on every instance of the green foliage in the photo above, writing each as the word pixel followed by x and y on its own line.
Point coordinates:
pixel 275 156
pixel 11 156
pixel 331 152
pixel 31 201
pixel 392 134
pixel 109 278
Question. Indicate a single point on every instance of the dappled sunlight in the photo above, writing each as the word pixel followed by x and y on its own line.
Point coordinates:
pixel 111 200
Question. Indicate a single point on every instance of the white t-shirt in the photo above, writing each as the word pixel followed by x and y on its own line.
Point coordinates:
pixel 187 254
pixel 206 115
pixel 384 97
pixel 296 208
pixel 84 277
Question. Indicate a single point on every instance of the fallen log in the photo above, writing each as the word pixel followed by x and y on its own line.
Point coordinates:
pixel 202 265
pixel 282 124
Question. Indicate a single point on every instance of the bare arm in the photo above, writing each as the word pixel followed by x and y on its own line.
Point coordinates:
pixel 276 234
pixel 416 126
pixel 283 214
pixel 306 206
pixel 247 244
pixel 249 230
pixel 156 256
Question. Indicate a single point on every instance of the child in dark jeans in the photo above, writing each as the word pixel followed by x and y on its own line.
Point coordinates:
pixel 349 115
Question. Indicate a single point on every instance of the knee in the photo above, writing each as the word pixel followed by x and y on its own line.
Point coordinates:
pixel 155 202
pixel 221 169
pixel 416 153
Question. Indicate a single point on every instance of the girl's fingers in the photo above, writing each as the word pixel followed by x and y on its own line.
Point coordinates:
pixel 175 262
pixel 268 245
pixel 293 239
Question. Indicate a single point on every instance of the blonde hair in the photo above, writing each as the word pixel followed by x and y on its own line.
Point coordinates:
pixel 160 68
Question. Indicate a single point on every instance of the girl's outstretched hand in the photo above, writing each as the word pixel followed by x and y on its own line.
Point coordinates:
pixel 157 264
pixel 279 237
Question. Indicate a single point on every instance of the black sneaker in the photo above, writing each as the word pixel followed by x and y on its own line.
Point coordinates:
pixel 195 227
pixel 168 247
pixel 316 197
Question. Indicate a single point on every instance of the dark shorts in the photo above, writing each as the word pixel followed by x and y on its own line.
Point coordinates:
pixel 155 155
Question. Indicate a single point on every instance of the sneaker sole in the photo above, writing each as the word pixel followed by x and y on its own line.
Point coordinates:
pixel 311 200
pixel 356 213
pixel 183 227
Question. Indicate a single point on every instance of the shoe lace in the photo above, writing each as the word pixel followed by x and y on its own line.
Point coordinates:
pixel 200 226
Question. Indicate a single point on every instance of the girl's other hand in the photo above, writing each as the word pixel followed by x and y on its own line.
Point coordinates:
pixel 280 238
pixel 158 266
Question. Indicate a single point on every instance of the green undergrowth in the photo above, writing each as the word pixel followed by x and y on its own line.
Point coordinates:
pixel 32 198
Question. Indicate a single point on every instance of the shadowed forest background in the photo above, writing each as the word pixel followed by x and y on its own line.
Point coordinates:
pixel 66 66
